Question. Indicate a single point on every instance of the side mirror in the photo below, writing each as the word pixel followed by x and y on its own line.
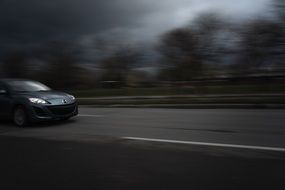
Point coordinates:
pixel 3 92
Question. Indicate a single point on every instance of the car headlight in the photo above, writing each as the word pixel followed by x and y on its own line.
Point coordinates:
pixel 72 97
pixel 37 101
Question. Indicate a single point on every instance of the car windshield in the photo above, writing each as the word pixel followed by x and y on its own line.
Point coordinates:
pixel 27 86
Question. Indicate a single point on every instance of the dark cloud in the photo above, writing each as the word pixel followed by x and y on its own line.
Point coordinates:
pixel 25 22
pixel 29 20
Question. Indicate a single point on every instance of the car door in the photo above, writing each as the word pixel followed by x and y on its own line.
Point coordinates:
pixel 5 102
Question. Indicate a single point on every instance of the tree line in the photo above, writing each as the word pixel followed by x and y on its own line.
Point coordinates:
pixel 210 46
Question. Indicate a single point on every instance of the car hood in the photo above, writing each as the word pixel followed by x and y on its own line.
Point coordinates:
pixel 46 95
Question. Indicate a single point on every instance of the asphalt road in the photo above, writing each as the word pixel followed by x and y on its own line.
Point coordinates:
pixel 242 127
pixel 107 148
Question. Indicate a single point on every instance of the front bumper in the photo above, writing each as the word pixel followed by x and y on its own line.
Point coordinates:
pixel 52 112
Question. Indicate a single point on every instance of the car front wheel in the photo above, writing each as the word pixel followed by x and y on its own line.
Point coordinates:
pixel 20 117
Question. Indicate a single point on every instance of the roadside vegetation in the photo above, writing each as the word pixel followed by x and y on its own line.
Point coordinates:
pixel 200 90
pixel 210 55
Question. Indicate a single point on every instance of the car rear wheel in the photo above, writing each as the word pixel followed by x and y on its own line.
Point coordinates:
pixel 20 117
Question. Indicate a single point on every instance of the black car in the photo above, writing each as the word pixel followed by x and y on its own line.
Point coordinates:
pixel 27 101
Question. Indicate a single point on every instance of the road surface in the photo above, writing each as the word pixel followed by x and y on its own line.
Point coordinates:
pixel 118 148
pixel 241 127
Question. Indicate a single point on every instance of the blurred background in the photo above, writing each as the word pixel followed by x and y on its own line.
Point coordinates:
pixel 175 50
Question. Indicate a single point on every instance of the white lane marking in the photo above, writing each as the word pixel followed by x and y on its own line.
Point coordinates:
pixel 208 144
pixel 87 115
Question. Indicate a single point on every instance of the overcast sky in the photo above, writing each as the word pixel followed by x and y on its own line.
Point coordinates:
pixel 35 21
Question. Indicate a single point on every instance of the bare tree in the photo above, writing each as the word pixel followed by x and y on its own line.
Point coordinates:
pixel 261 47
pixel 116 67
pixel 280 8
pixel 186 52
pixel 180 54
pixel 61 69
pixel 209 27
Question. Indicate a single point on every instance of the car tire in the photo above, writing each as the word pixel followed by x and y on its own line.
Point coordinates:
pixel 20 117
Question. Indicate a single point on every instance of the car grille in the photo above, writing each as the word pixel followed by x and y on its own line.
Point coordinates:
pixel 40 112
pixel 63 109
